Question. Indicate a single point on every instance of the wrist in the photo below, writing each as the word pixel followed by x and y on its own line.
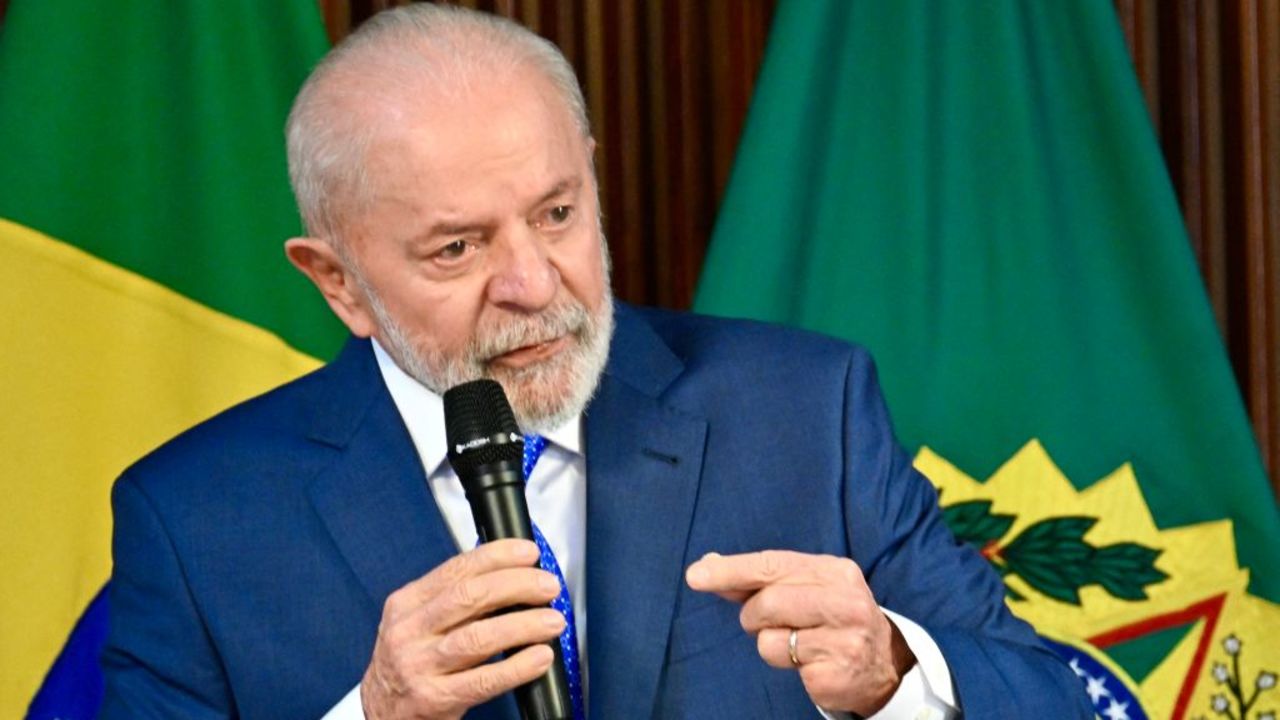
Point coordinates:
pixel 900 653
pixel 900 661
pixel 371 701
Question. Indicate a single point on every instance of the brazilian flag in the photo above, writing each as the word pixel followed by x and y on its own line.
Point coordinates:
pixel 143 203
pixel 973 190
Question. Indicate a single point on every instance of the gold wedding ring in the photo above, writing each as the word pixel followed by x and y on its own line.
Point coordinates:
pixel 791 647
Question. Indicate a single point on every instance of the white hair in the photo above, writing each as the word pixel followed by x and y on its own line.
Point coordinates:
pixel 390 59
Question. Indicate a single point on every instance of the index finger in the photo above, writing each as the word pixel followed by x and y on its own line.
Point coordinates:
pixel 745 572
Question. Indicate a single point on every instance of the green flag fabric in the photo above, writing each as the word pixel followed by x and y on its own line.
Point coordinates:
pixel 144 200
pixel 973 191
pixel 151 135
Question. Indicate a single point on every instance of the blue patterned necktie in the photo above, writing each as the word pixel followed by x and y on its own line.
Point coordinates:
pixel 533 447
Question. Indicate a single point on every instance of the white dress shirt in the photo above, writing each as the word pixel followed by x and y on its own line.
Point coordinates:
pixel 557 496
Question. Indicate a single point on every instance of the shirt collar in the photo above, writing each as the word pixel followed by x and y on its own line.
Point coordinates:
pixel 423 413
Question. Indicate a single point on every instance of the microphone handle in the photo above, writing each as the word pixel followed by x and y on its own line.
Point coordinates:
pixel 498 505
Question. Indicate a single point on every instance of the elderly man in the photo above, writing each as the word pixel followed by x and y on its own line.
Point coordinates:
pixel 730 527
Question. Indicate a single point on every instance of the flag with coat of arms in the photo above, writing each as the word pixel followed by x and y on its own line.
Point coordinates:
pixel 974 192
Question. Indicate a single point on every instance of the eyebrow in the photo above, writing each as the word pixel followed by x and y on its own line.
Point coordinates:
pixel 449 228
pixel 464 228
pixel 561 187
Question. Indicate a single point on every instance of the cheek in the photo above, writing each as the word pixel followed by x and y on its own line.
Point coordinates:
pixel 439 316
pixel 582 271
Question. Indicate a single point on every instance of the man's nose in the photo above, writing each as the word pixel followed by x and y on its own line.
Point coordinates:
pixel 523 274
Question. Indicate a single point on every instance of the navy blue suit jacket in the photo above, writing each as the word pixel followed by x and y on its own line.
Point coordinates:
pixel 254 552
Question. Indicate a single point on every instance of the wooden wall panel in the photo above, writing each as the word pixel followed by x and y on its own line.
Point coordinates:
pixel 1259 124
pixel 1210 73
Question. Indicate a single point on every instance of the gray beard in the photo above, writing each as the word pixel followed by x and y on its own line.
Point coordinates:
pixel 537 403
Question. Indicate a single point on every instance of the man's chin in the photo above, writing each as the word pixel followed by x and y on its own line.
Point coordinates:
pixel 547 384
pixel 540 400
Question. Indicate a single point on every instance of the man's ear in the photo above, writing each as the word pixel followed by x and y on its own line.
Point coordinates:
pixel 318 260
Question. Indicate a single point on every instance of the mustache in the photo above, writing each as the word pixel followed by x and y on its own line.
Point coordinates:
pixel 567 318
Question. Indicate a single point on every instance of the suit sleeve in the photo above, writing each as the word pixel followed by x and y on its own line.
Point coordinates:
pixel 158 661
pixel 917 568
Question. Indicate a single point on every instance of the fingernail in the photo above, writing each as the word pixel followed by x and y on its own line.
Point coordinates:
pixel 697 575
pixel 548 583
pixel 553 621
pixel 527 551
pixel 543 654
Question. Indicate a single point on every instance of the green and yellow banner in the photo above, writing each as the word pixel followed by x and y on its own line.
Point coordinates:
pixel 144 200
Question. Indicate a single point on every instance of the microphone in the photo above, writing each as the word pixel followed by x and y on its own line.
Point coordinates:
pixel 486 450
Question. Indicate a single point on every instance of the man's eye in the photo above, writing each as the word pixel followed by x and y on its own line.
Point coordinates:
pixel 558 215
pixel 453 250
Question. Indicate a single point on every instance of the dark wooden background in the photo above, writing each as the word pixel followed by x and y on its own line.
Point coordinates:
pixel 668 83
pixel 1210 70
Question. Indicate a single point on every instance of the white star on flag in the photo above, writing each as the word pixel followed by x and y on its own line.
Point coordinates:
pixel 1096 689
pixel 1117 711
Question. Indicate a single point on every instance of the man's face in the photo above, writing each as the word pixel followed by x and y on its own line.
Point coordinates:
pixel 480 254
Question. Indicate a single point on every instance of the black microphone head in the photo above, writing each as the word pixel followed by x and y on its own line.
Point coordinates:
pixel 480 426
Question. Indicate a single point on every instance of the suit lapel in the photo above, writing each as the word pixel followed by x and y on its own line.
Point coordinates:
pixel 643 467
pixel 373 498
